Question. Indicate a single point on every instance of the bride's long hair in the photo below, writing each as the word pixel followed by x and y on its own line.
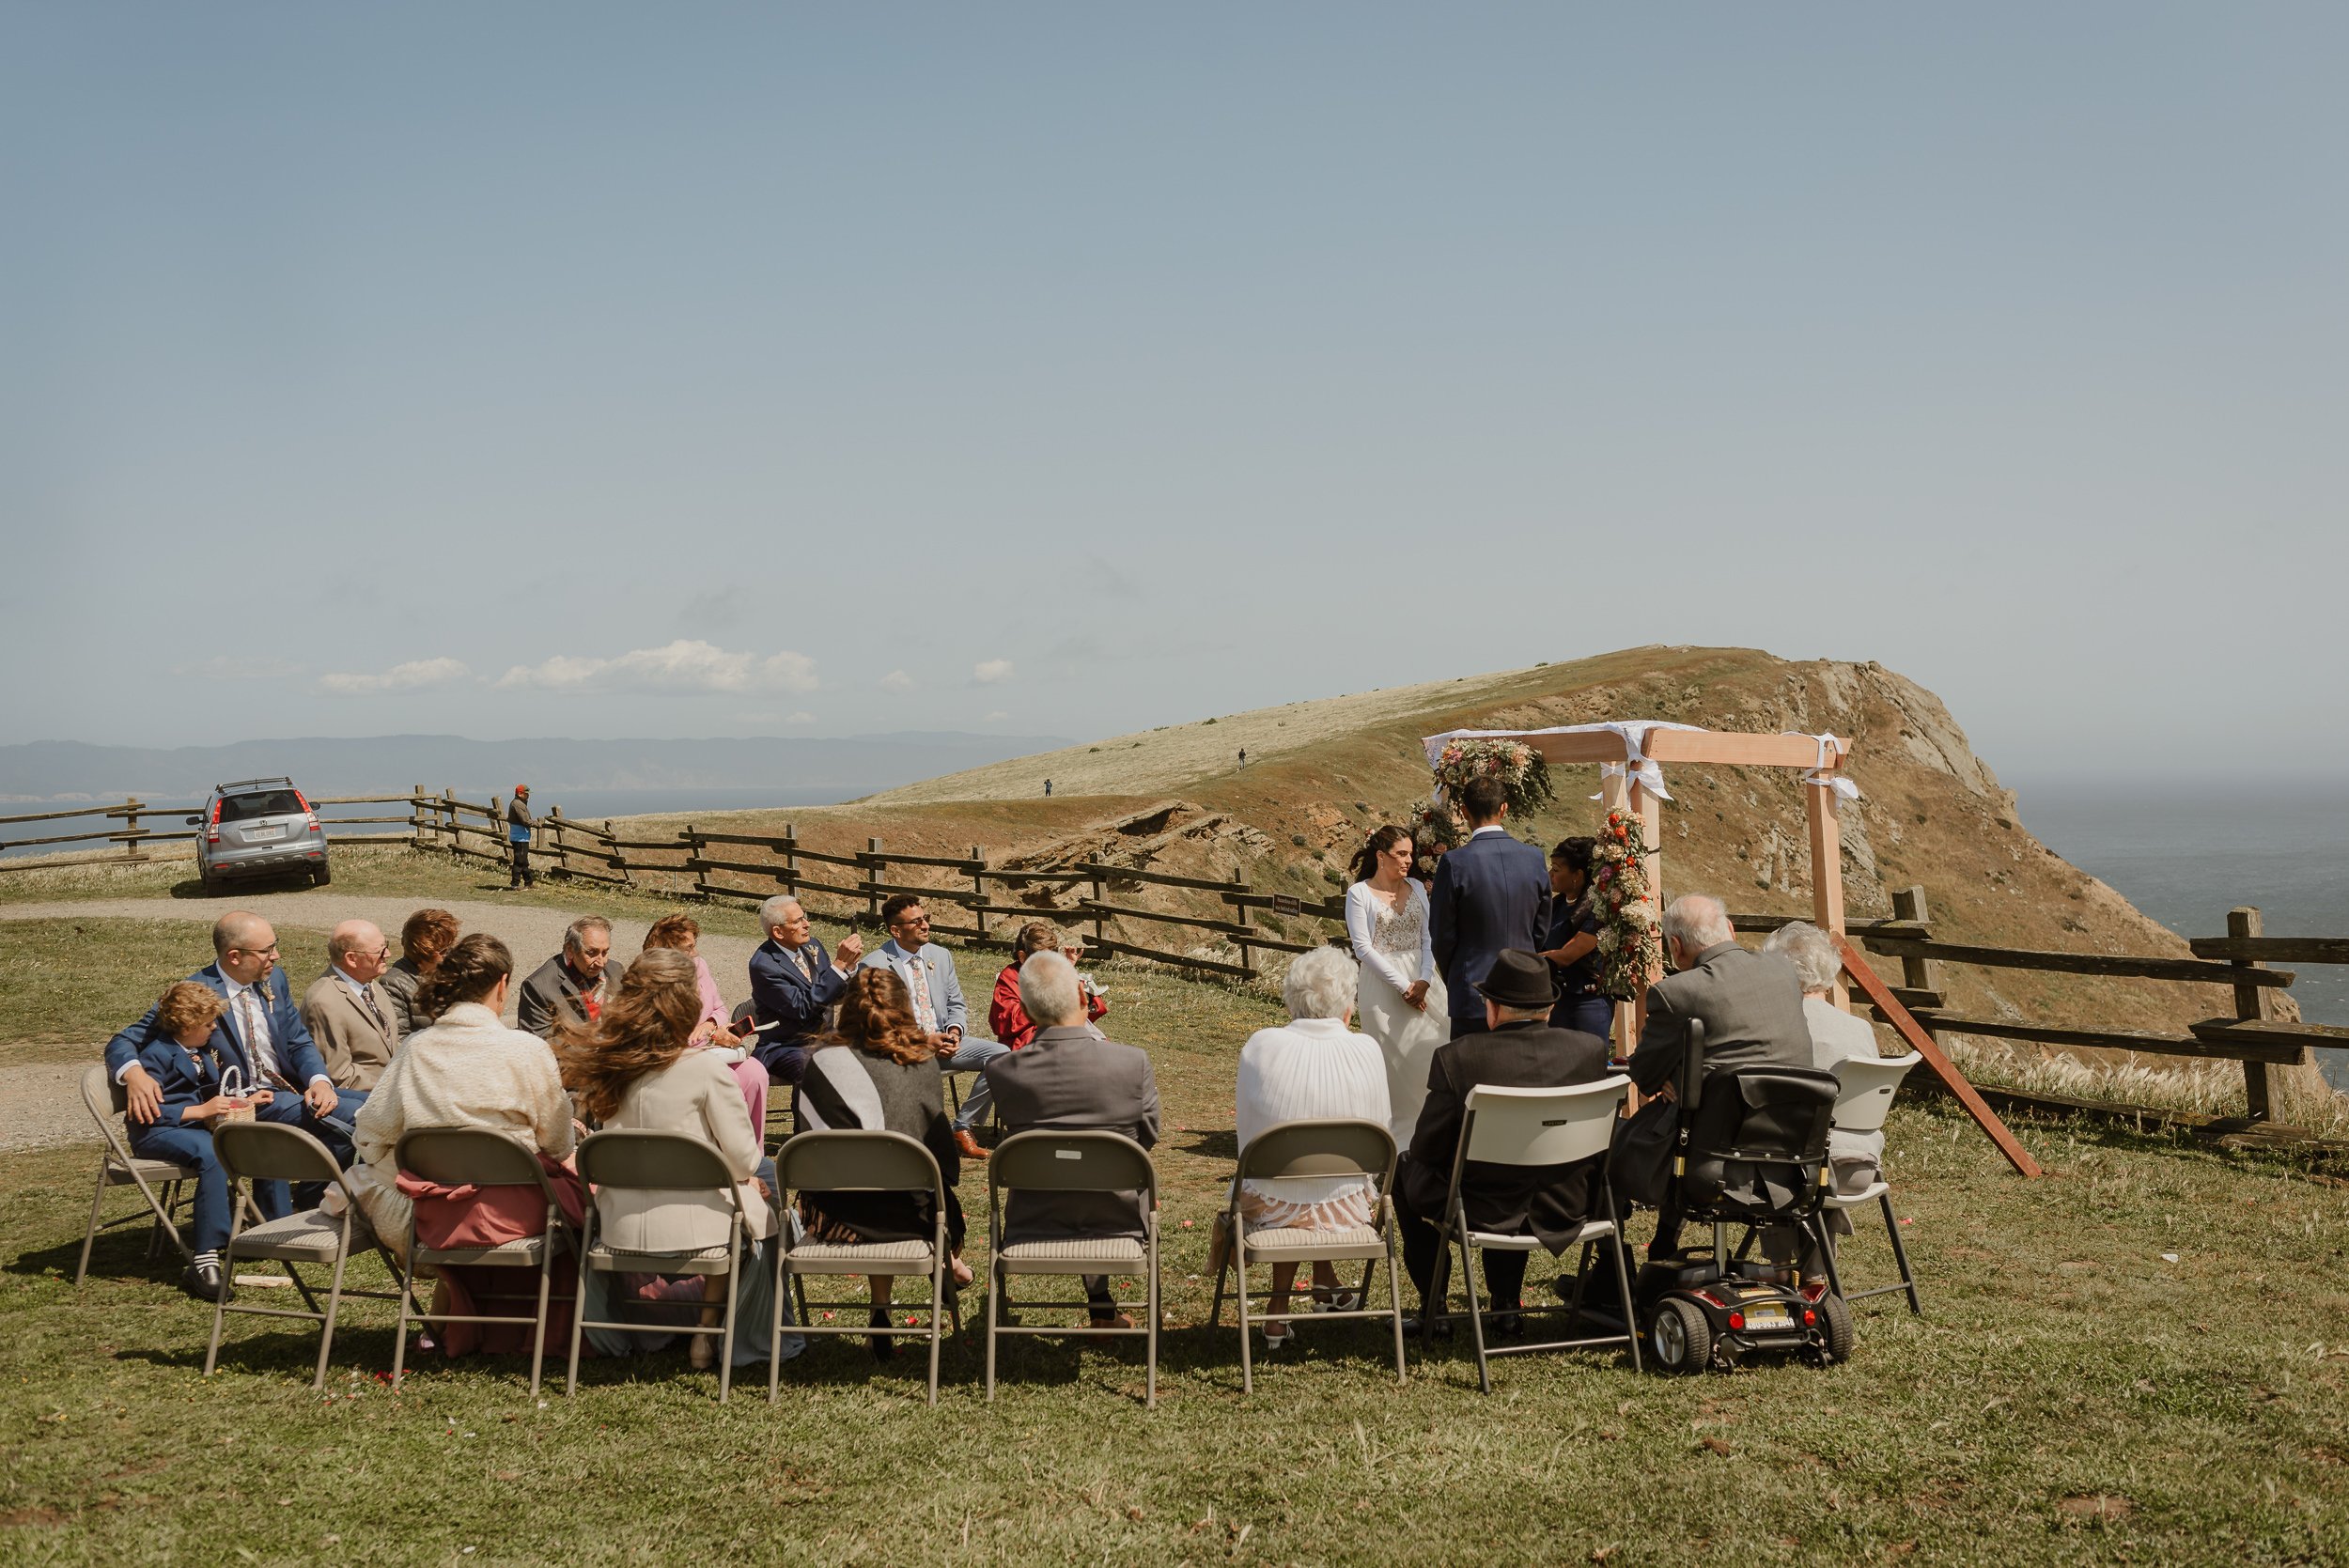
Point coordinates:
pixel 1366 857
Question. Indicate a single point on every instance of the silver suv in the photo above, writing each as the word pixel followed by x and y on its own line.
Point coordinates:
pixel 258 827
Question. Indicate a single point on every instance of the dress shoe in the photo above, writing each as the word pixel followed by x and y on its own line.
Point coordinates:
pixel 1508 1325
pixel 1112 1320
pixel 202 1281
pixel 967 1145
pixel 1411 1326
pixel 885 1345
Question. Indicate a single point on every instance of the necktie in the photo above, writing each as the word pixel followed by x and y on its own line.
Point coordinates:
pixel 807 971
pixel 366 994
pixel 918 985
pixel 257 1040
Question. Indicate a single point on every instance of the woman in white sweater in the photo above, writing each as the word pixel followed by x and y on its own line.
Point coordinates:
pixel 466 1069
pixel 1401 994
pixel 1312 1068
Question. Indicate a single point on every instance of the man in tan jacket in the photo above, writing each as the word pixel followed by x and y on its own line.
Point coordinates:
pixel 346 1015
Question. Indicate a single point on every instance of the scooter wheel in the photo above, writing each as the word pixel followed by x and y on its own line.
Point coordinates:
pixel 1680 1336
pixel 1835 1315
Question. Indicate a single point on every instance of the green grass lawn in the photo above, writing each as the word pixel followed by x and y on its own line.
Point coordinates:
pixel 2071 1396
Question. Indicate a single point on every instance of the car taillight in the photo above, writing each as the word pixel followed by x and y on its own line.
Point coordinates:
pixel 314 822
pixel 1808 1317
pixel 211 827
pixel 1737 1320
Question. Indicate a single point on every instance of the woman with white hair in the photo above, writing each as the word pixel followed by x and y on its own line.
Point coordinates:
pixel 1311 1068
pixel 1835 1036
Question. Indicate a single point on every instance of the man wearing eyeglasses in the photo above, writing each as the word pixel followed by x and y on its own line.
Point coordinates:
pixel 929 972
pixel 348 1017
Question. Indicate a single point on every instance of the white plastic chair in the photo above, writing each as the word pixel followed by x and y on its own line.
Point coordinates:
pixel 1867 1097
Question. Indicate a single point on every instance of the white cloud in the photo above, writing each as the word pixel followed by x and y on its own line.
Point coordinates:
pixel 230 666
pixel 896 680
pixel 417 674
pixel 988 672
pixel 999 713
pixel 802 716
pixel 687 664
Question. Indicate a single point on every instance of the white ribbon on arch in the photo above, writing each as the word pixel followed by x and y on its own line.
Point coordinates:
pixel 1831 751
pixel 1637 765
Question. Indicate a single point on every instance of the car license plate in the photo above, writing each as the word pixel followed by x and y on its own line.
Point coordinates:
pixel 1768 1318
pixel 258 834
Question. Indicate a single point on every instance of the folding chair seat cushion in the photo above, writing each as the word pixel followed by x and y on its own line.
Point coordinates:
pixel 1350 1241
pixel 702 1259
pixel 809 1254
pixel 1853 1200
pixel 1082 1255
pixel 120 1172
pixel 312 1236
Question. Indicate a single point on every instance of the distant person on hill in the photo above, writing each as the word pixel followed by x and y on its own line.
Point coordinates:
pixel 574 983
pixel 935 993
pixel 519 824
pixel 345 1014
pixel 1243 756
pixel 426 937
pixel 1491 894
pixel 1403 1004
pixel 1006 1016
pixel 794 985
pixel 1048 789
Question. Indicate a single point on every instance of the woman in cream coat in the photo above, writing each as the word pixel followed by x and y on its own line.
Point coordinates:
pixel 637 1065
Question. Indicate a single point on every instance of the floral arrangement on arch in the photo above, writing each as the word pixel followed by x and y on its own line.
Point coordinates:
pixel 1523 775
pixel 1435 828
pixel 1630 942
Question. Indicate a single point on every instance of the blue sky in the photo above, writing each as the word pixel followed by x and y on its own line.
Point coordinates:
pixel 578 370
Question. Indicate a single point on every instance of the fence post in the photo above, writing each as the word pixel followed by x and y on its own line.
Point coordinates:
pixel 416 798
pixel 872 876
pixel 791 858
pixel 978 886
pixel 628 874
pixel 561 840
pixel 2251 1004
pixel 1100 897
pixel 1917 974
pixel 131 828
pixel 1239 918
pixel 448 810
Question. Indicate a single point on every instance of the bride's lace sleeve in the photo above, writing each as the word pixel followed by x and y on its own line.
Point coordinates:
pixel 1361 924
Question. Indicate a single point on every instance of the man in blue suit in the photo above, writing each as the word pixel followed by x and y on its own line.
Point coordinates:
pixel 794 982
pixel 1491 894
pixel 259 1032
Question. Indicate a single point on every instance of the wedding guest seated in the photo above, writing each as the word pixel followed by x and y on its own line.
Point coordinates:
pixel 638 1066
pixel 1006 1016
pixel 1518 1048
pixel 794 984
pixel 185 1056
pixel 260 1035
pixel 1835 1036
pixel 713 1027
pixel 345 1011
pixel 1069 1077
pixel 939 1011
pixel 573 986
pixel 1751 1004
pixel 879 1072
pixel 426 935
pixel 466 1069
pixel 1312 1068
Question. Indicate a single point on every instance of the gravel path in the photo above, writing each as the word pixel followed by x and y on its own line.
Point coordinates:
pixel 40 1103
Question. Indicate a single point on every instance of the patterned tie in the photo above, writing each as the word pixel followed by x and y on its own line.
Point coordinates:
pixel 257 1040
pixel 807 969
pixel 366 994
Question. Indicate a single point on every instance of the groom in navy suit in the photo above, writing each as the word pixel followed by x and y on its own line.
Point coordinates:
pixel 1492 893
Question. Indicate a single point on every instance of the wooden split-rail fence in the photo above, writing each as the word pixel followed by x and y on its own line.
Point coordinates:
pixel 994 900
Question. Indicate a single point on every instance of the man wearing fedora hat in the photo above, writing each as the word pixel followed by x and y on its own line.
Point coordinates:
pixel 1517 1049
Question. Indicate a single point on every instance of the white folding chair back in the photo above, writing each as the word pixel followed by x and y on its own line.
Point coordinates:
pixel 1868 1090
pixel 1542 1127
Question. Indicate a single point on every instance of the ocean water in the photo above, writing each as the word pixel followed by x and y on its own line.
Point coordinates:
pixel 2186 851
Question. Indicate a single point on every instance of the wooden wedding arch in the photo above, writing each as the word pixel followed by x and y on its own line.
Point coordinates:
pixel 1630 755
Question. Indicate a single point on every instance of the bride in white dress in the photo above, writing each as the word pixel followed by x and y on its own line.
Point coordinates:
pixel 1402 997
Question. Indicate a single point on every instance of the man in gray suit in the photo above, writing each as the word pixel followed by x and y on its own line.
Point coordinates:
pixel 1066 1078
pixel 1751 1004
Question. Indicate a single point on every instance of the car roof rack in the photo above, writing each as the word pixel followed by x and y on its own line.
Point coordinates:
pixel 273 779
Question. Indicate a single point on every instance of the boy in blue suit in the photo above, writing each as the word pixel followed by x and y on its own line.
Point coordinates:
pixel 1491 895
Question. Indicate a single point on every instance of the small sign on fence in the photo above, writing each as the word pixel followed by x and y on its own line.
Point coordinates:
pixel 1286 904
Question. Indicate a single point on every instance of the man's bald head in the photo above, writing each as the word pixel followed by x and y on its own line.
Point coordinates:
pixel 244 946
pixel 357 948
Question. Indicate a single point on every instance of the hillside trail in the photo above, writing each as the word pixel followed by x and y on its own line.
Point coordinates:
pixel 40 1102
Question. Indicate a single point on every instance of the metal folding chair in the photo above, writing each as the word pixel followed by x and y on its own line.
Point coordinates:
pixel 1535 1127
pixel 1334 1147
pixel 850 1159
pixel 118 1167
pixel 1042 1162
pixel 642 1160
pixel 272 1151
pixel 481 1156
pixel 1866 1099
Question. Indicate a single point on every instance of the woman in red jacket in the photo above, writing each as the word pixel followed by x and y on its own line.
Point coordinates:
pixel 1006 1017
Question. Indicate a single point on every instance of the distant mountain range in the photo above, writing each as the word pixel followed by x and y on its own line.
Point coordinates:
pixel 791 770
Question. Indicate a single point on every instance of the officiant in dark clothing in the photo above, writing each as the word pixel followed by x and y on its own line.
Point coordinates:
pixel 1572 948
pixel 1517 1048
